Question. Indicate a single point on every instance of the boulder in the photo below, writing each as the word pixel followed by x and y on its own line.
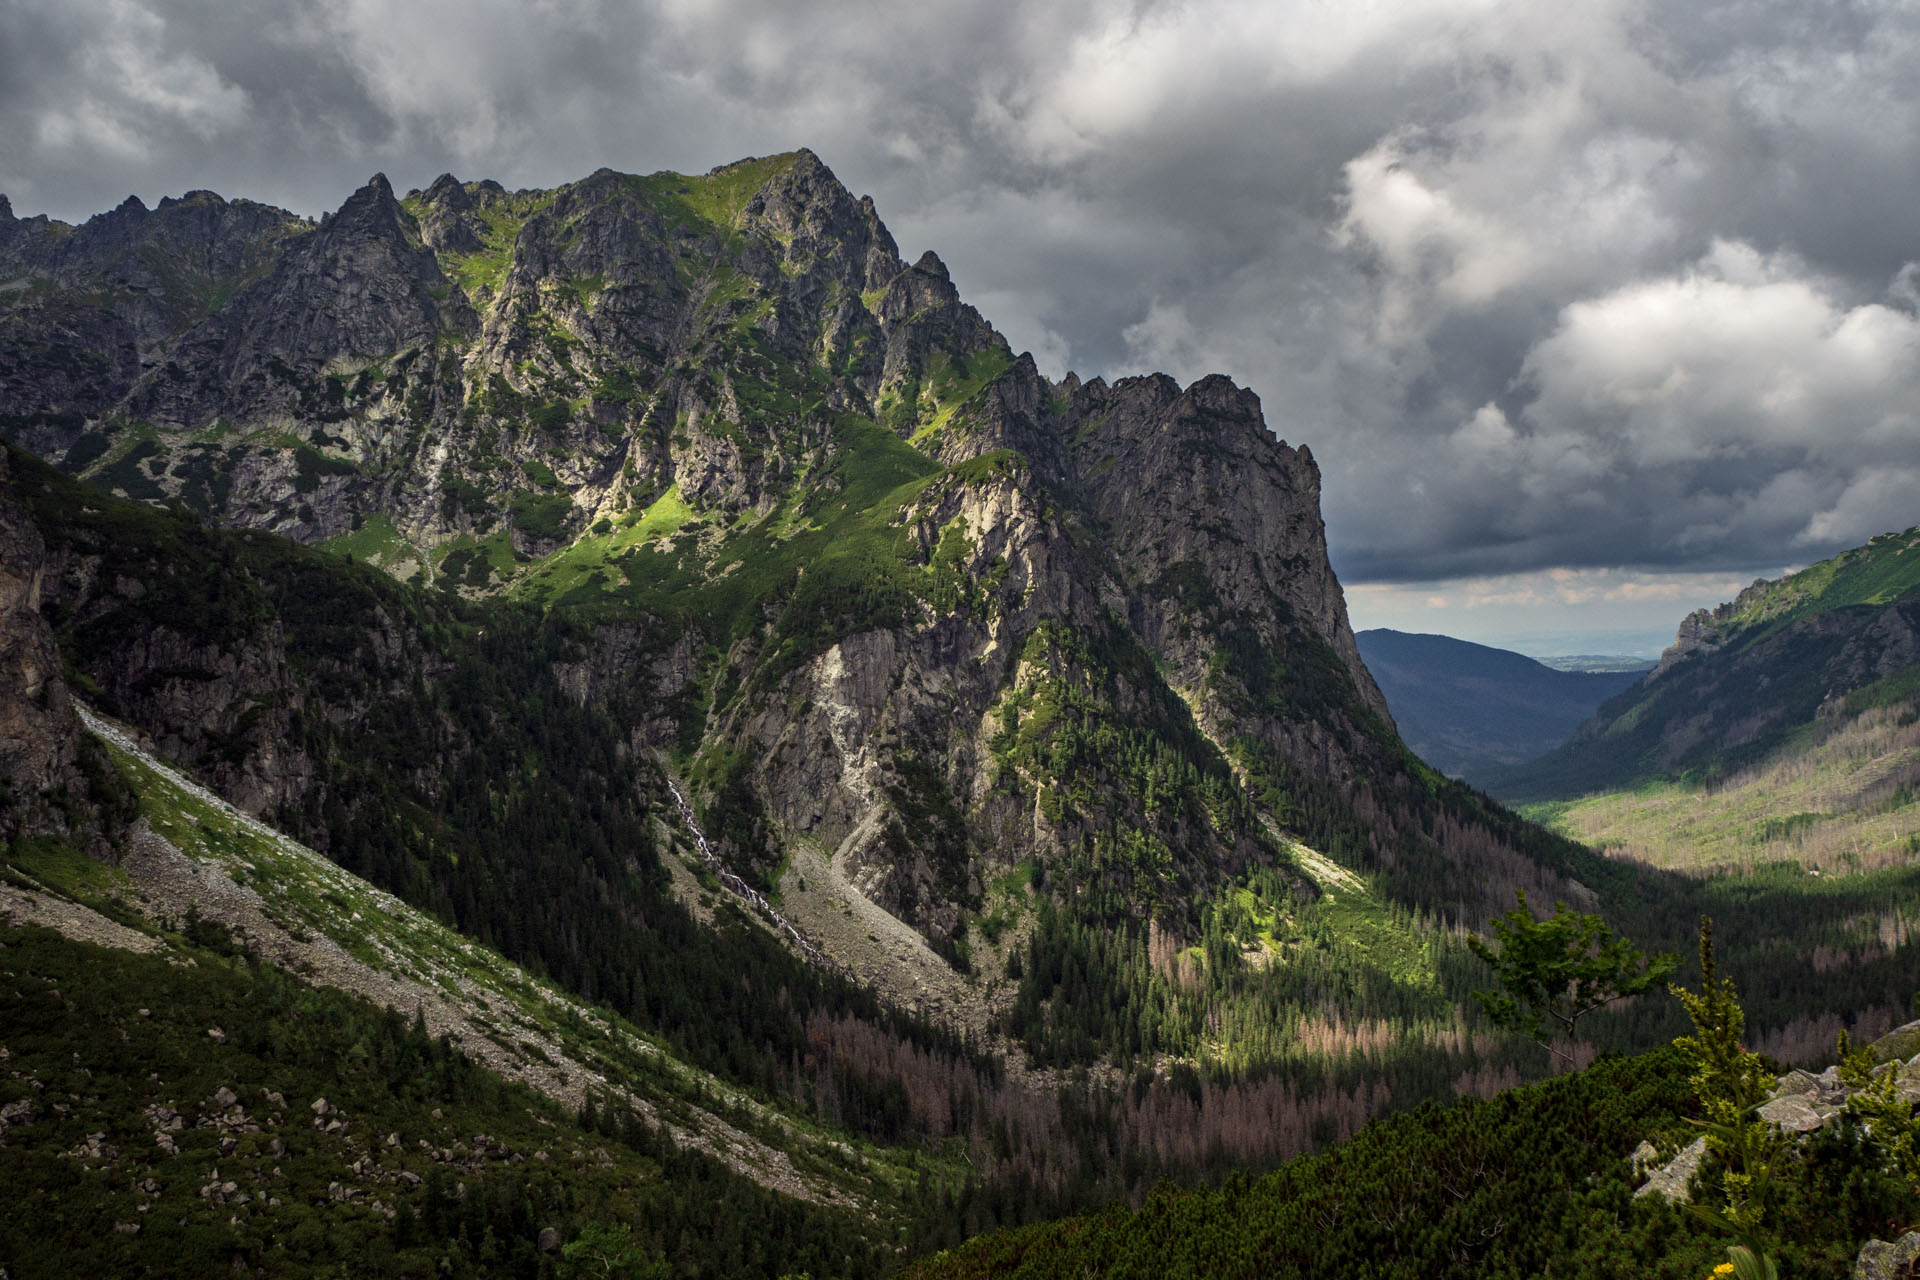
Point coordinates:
pixel 1899 1044
pixel 1671 1180
pixel 1879 1260
pixel 1795 1113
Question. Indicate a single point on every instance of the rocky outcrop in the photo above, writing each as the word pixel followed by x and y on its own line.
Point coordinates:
pixel 1801 1103
pixel 450 214
pixel 1672 1180
pixel 1881 1260
pixel 1705 630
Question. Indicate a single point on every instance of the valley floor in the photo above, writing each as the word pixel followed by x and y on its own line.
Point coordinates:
pixel 1843 797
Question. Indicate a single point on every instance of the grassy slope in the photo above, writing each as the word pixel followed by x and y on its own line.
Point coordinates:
pixel 1878 572
pixel 1836 798
pixel 495 1010
pixel 98 1039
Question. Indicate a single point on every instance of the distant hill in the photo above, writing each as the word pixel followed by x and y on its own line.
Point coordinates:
pixel 1466 708
pixel 1784 663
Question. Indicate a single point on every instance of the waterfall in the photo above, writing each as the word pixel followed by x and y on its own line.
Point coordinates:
pixel 740 888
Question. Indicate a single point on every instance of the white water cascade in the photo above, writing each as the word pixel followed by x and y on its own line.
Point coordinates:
pixel 740 888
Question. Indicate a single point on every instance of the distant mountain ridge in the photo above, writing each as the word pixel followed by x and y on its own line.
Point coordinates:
pixel 1467 708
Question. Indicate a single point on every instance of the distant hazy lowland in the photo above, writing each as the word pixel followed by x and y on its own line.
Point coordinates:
pixel 1466 708
pixel 1597 663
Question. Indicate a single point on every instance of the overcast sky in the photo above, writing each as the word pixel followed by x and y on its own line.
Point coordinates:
pixel 1591 312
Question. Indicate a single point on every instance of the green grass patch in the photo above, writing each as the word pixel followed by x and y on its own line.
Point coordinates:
pixel 950 386
pixel 483 271
pixel 715 199
pixel 53 863
pixel 834 559
pixel 1883 570
pixel 376 542
pixel 574 567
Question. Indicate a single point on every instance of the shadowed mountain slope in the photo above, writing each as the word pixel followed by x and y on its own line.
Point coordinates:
pixel 1465 708
pixel 1743 679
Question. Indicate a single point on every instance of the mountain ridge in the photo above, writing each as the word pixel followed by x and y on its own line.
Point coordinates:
pixel 727 484
pixel 798 198
pixel 1741 679
pixel 1464 707
pixel 696 477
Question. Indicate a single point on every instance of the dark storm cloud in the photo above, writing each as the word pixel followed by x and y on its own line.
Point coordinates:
pixel 1542 285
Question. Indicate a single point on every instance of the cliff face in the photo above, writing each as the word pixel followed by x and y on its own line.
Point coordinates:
pixel 38 726
pixel 53 778
pixel 893 594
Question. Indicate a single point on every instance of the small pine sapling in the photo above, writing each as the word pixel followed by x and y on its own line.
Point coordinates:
pixel 1730 1083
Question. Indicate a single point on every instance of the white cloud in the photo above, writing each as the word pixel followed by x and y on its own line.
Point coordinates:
pixel 1876 501
pixel 1740 353
pixel 1618 282
pixel 130 90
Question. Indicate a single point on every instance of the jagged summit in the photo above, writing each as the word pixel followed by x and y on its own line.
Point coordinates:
pixel 912 613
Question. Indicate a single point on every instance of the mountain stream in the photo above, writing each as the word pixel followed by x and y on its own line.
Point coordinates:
pixel 740 888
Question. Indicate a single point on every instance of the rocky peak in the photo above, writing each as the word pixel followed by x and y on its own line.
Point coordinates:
pixel 931 335
pixel 373 241
pixel 371 211
pixel 6 209
pixel 921 287
pixel 447 193
pixel 929 262
pixel 446 221
pixel 806 206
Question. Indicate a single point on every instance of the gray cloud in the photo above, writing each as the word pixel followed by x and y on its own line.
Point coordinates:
pixel 1617 284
